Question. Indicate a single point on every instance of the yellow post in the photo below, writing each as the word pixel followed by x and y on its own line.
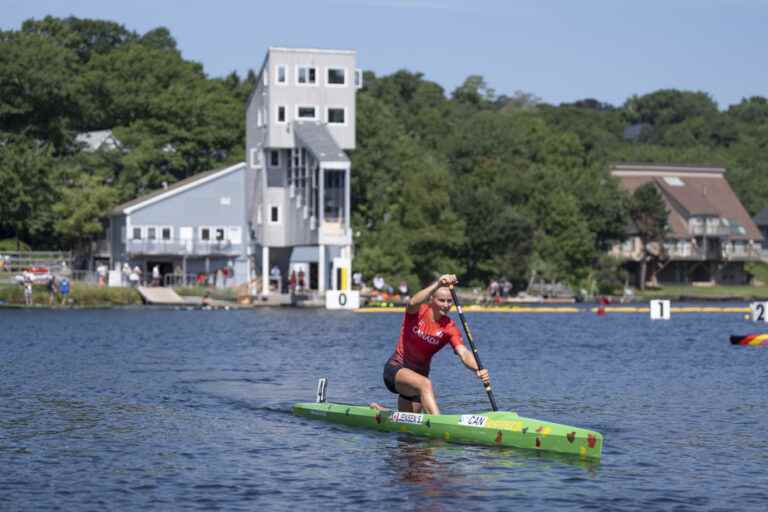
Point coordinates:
pixel 344 278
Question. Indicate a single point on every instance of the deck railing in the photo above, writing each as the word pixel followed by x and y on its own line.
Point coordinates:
pixel 17 261
pixel 182 247
pixel 739 253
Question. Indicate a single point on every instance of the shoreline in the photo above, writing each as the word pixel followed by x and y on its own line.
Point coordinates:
pixel 85 296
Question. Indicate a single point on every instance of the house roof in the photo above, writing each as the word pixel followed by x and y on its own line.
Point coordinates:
pixel 320 142
pixel 100 139
pixel 171 190
pixel 761 219
pixel 691 191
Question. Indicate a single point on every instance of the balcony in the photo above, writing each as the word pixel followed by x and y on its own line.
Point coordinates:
pixel 690 253
pixel 334 233
pixel 742 253
pixel 708 230
pixel 183 247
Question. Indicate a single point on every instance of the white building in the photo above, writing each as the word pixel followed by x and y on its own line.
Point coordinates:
pixel 299 120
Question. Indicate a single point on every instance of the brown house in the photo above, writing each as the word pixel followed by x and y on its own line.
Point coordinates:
pixel 710 235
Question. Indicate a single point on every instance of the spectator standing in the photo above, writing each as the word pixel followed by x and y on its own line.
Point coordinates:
pixel 101 270
pixel 64 290
pixel 357 280
pixel 51 285
pixel 126 274
pixel 274 276
pixel 27 290
pixel 506 287
pixel 493 288
pixel 134 276
pixel 300 282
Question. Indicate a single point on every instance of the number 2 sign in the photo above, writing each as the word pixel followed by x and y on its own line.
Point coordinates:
pixel 759 311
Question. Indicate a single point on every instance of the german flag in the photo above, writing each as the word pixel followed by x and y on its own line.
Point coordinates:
pixel 750 339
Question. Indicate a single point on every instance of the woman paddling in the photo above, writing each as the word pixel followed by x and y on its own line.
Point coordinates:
pixel 426 329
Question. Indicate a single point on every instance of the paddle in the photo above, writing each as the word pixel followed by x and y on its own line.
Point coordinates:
pixel 474 348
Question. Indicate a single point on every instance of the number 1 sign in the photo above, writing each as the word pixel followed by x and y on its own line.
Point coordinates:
pixel 660 309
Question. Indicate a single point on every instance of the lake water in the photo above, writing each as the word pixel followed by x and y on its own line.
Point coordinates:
pixel 142 409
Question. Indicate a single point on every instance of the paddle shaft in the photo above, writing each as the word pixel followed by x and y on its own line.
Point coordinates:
pixel 474 348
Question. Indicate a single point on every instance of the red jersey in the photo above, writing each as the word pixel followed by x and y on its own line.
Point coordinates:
pixel 421 338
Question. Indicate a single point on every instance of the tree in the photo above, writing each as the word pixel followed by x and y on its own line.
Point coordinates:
pixel 499 237
pixel 25 190
pixel 520 100
pixel 84 37
pixel 474 92
pixel 419 105
pixel 563 239
pixel 649 215
pixel 682 112
pixel 403 219
pixel 160 39
pixel 37 88
pixel 82 210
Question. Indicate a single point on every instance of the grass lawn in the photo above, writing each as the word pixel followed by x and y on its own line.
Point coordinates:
pixel 704 293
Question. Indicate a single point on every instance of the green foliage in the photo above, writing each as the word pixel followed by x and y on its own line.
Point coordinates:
pixel 609 276
pixel 25 190
pixel 80 212
pixel 12 245
pixel 404 223
pixel 476 183
pixel 675 118
pixel 38 88
pixel 759 270
pixel 648 213
pixel 563 239
pixel 84 37
pixel 81 294
pixel 59 77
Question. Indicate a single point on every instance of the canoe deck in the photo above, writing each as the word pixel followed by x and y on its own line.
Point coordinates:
pixel 485 428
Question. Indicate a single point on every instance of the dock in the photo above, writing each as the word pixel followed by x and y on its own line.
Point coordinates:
pixel 160 295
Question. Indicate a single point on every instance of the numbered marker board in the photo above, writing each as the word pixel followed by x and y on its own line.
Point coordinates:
pixel 759 311
pixel 342 299
pixel 660 309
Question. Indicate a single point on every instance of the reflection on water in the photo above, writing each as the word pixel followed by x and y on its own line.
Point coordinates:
pixel 414 463
pixel 436 469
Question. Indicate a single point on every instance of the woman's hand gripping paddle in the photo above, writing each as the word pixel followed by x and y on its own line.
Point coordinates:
pixel 472 344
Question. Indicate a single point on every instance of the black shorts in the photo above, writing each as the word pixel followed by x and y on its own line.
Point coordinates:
pixel 390 370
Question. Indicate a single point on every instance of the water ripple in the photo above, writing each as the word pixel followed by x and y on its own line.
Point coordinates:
pixel 185 410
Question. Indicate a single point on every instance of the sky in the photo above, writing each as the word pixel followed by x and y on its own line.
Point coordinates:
pixel 557 50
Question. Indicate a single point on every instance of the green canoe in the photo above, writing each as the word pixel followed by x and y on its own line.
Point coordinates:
pixel 485 428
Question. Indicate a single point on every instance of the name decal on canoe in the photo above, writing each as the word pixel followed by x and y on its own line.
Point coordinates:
pixel 514 425
pixel 472 420
pixel 407 417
